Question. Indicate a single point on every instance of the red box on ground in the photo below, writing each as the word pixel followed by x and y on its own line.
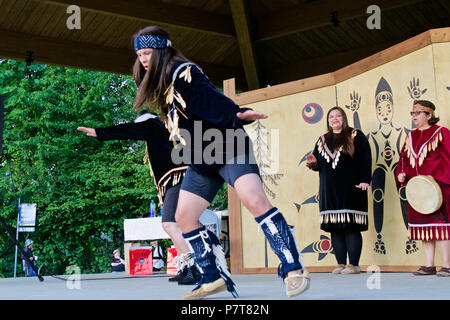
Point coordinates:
pixel 171 264
pixel 141 261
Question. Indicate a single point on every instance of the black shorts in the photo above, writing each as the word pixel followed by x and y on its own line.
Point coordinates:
pixel 207 186
pixel 170 204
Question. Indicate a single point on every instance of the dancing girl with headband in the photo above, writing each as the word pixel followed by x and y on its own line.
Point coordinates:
pixel 192 109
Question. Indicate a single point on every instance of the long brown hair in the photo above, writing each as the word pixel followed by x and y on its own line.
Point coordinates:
pixel 153 83
pixel 344 138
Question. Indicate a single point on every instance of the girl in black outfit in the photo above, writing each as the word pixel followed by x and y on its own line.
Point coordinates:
pixel 207 125
pixel 167 176
pixel 343 158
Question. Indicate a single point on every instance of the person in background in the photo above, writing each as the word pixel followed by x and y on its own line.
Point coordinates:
pixel 343 159
pixel 29 272
pixel 158 256
pixel 117 264
pixel 426 151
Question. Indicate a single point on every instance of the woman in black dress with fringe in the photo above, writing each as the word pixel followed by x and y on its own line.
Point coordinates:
pixel 343 159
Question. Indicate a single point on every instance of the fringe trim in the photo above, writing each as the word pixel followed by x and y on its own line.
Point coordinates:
pixel 358 217
pixel 147 160
pixel 172 95
pixel 174 175
pixel 430 145
pixel 429 232
pixel 213 246
pixel 171 179
pixel 327 154
pixel 184 260
pixel 223 269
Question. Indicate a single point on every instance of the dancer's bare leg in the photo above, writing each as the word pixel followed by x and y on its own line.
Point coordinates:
pixel 189 209
pixel 175 234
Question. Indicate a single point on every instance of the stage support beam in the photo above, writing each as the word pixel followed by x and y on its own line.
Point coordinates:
pixel 244 37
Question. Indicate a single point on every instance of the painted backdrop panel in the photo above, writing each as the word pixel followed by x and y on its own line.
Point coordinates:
pixel 378 102
pixel 280 144
pixel 441 59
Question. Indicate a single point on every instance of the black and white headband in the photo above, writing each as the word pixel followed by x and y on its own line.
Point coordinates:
pixel 151 41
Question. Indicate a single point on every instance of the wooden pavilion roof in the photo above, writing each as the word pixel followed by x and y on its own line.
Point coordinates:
pixel 258 42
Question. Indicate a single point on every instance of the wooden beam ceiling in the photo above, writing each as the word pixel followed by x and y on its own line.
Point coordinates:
pixel 67 53
pixel 243 32
pixel 302 17
pixel 240 25
pixel 155 12
pixel 90 57
pixel 317 14
pixel 324 64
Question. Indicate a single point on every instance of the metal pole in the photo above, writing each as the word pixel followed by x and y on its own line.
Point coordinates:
pixel 22 250
pixel 17 240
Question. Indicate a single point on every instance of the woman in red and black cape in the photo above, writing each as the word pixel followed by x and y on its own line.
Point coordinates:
pixel 426 151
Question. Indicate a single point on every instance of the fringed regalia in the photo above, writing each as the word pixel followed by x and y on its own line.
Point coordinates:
pixel 209 258
pixel 342 205
pixel 165 173
pixel 192 99
pixel 170 179
pixel 427 152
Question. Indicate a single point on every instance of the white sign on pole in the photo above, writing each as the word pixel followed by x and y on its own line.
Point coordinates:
pixel 27 217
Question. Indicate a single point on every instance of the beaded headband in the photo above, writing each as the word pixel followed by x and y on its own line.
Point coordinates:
pixel 426 106
pixel 151 41
pixel 426 109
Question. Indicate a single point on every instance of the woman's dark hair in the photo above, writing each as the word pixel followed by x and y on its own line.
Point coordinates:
pixel 428 104
pixel 153 83
pixel 344 138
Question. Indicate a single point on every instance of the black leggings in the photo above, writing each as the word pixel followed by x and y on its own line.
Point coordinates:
pixel 344 242
pixel 170 203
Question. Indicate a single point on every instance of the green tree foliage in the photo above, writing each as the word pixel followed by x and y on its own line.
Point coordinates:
pixel 83 188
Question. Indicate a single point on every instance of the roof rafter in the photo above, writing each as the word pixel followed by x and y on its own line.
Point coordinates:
pixel 89 56
pixel 243 31
pixel 317 14
pixel 155 12
pixel 324 64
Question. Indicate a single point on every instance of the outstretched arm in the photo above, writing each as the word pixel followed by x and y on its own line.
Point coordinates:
pixel 90 132
pixel 202 100
pixel 127 131
pixel 251 115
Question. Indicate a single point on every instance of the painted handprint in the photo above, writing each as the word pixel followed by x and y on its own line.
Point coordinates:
pixel 355 101
pixel 414 89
